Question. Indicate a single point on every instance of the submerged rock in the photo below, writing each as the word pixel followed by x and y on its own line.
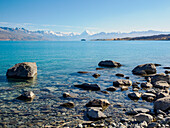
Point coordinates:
pixel 134 95
pixel 87 86
pixel 27 96
pixel 66 95
pixel 119 83
pixel 22 70
pixel 144 69
pixel 99 68
pixel 83 72
pixel 109 63
pixel 166 67
pixel 98 103
pixel 68 105
pixel 120 74
pixel 124 88
pixel 111 88
pixel 144 117
pixel 96 75
pixel 162 104
pixel 167 72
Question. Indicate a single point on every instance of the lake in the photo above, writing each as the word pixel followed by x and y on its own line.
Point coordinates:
pixel 58 63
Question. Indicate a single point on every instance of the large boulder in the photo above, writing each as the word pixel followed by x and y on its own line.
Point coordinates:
pixel 162 104
pixel 98 103
pixel 87 86
pixel 144 69
pixel 109 63
pixel 22 70
pixel 119 83
pixel 160 77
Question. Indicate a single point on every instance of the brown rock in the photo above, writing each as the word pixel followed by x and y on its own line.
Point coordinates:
pixel 109 63
pixel 22 70
pixel 144 69
pixel 98 103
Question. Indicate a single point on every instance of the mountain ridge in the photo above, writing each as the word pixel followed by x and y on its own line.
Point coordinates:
pixel 7 33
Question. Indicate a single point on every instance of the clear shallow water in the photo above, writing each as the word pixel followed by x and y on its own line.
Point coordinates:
pixel 58 63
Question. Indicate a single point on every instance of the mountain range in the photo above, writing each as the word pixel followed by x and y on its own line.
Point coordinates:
pixel 7 33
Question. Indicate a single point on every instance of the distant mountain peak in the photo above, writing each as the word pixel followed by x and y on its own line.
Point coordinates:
pixel 86 33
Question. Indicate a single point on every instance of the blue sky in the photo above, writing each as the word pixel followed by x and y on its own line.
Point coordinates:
pixel 92 15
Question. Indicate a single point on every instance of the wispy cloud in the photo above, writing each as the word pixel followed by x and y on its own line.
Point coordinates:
pixel 53 27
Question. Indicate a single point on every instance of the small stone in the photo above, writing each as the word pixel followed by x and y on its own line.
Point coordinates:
pixel 167 72
pixel 121 82
pixel 158 65
pixel 152 125
pixel 138 110
pixel 143 117
pixel 120 75
pixel 105 92
pixel 124 88
pixel 68 105
pixel 135 89
pixel 161 84
pixel 98 103
pixel 134 95
pixel 66 95
pixel 96 75
pixel 95 114
pixel 80 126
pixel 111 88
pixel 135 85
pixel 87 86
pixel 124 120
pixel 27 96
pixel 146 85
pixel 127 77
pixel 160 117
pixel 99 68
pixel 82 72
pixel 145 96
pixel 143 124
pixel 166 67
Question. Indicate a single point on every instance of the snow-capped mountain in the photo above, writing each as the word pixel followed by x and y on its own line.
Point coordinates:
pixel 23 34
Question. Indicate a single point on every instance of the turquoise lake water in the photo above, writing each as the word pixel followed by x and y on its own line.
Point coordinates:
pixel 58 64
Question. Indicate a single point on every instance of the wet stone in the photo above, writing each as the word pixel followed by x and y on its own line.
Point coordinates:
pixel 111 88
pixel 68 105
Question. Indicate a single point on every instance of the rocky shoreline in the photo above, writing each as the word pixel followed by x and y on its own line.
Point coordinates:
pixel 102 111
